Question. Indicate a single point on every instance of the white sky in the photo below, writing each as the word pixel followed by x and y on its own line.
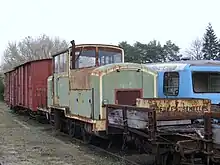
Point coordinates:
pixel 108 21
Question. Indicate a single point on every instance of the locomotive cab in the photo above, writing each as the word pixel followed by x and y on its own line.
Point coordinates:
pixel 88 76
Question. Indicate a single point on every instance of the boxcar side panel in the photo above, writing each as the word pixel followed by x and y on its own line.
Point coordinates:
pixel 7 87
pixel 26 85
pixel 16 88
pixel 22 85
pixel 13 79
pixel 41 70
pixel 30 84
pixel 11 90
pixel 19 86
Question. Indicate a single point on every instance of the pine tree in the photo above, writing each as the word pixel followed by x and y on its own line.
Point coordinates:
pixel 210 44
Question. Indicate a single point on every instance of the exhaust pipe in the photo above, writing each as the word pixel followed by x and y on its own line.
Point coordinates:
pixel 73 53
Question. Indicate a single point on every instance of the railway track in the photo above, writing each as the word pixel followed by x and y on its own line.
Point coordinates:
pixel 125 159
pixel 114 153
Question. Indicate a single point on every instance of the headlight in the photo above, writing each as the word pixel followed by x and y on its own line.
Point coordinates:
pixel 104 102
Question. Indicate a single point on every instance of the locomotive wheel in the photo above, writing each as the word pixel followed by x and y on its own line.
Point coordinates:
pixel 38 118
pixel 71 128
pixel 87 137
pixel 63 126
pixel 47 117
pixel 57 121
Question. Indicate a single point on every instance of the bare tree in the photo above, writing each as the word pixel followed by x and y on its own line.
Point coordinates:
pixel 31 49
pixel 195 50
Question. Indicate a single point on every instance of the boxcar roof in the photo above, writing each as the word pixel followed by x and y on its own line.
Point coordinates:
pixel 26 63
pixel 182 65
pixel 32 62
pixel 8 71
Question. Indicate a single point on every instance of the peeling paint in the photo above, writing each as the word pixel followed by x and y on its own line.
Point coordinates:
pixel 176 109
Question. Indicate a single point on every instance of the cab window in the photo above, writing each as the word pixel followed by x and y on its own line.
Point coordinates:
pixel 171 83
pixel 56 64
pixel 95 56
pixel 60 63
pixel 85 58
pixel 109 56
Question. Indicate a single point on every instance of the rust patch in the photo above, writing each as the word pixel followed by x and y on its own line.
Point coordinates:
pixel 97 125
pixel 176 109
pixel 215 107
pixel 80 118
pixel 215 115
pixel 80 78
pixel 100 125
pixel 56 100
pixel 114 67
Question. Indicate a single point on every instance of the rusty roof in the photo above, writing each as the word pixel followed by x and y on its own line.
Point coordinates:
pixel 89 45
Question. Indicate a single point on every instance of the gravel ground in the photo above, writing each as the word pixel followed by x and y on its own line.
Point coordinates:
pixel 25 142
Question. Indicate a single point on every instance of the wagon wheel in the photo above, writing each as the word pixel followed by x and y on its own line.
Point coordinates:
pixel 143 146
pixel 173 159
pixel 87 137
pixel 207 161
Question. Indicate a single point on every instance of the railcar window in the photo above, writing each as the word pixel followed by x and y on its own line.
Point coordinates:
pixel 109 57
pixel 60 63
pixel 171 83
pixel 206 82
pixel 65 64
pixel 86 58
pixel 56 64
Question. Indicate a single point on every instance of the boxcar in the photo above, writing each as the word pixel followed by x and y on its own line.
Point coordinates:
pixel 23 84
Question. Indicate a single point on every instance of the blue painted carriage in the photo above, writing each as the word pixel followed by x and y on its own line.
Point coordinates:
pixel 189 79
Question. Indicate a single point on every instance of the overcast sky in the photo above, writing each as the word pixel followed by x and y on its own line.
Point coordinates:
pixel 108 21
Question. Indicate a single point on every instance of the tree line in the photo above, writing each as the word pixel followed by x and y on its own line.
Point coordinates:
pixel 30 48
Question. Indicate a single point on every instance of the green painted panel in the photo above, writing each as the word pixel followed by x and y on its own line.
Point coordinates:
pixel 63 91
pixel 120 80
pixel 56 85
pixel 95 85
pixel 50 91
pixel 149 86
pixel 81 102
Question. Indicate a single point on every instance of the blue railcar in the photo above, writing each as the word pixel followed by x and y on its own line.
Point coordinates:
pixel 189 79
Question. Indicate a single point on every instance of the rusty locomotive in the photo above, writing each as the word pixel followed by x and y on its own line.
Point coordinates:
pixel 90 91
